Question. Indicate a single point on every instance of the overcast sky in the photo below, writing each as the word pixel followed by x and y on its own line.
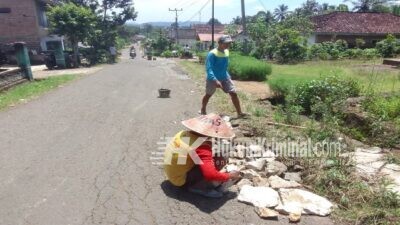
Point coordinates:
pixel 225 10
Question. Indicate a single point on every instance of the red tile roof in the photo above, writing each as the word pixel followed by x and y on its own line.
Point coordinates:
pixel 207 37
pixel 357 23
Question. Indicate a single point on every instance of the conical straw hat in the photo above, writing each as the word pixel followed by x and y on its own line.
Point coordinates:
pixel 211 125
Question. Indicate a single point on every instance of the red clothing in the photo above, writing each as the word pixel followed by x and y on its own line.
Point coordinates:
pixel 208 169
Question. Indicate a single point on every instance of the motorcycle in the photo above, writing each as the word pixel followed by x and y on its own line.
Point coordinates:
pixel 132 54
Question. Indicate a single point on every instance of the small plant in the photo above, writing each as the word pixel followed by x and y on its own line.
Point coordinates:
pixel 167 54
pixel 388 47
pixel 327 90
pixel 259 111
pixel 248 68
pixel 360 42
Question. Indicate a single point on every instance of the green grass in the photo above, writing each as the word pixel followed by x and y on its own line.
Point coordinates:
pixel 31 90
pixel 368 73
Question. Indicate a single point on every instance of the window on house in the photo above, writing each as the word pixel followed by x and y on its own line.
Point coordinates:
pixel 41 13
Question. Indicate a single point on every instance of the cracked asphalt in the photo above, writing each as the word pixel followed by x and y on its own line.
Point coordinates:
pixel 81 154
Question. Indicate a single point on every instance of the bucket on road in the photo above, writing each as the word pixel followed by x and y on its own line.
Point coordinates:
pixel 164 93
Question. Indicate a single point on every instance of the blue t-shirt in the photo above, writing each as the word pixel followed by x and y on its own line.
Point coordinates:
pixel 217 65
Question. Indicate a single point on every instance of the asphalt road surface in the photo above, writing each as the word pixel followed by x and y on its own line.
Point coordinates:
pixel 81 154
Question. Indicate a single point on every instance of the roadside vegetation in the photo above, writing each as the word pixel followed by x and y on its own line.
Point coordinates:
pixel 97 25
pixel 315 101
pixel 30 90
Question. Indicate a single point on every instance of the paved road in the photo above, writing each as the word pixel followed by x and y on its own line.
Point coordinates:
pixel 81 154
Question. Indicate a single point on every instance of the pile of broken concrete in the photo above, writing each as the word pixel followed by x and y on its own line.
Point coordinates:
pixel 267 185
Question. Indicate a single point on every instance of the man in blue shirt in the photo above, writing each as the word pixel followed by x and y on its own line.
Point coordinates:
pixel 217 75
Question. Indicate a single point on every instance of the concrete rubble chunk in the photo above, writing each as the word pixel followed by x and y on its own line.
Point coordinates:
pixel 298 168
pixel 269 156
pixel 392 172
pixel 257 164
pixel 237 162
pixel 293 177
pixel 244 182
pixel 294 217
pixel 231 167
pixel 368 161
pixel 277 182
pixel 240 151
pixel 249 174
pixel 260 182
pixel 255 151
pixel 310 203
pixel 372 150
pixel 259 196
pixel 266 213
pixel 275 168
pixel 369 170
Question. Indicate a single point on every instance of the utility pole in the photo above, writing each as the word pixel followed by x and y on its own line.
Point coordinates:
pixel 212 25
pixel 176 22
pixel 244 26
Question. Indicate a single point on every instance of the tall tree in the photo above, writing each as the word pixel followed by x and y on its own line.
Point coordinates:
pixel 368 5
pixel 75 22
pixel 396 10
pixel 281 12
pixel 309 8
pixel 342 8
pixel 216 22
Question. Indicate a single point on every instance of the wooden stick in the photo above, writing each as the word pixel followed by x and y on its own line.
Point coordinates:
pixel 285 125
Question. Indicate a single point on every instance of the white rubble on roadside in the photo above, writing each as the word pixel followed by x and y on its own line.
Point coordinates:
pixel 229 168
pixel 275 168
pixel 368 161
pixel 249 174
pixel 244 182
pixel 295 217
pixel 259 196
pixel 277 182
pixel 269 156
pixel 237 162
pixel 257 165
pixel 266 213
pixel 260 182
pixel 311 204
pixel 255 151
pixel 392 172
pixel 293 177
pixel 239 151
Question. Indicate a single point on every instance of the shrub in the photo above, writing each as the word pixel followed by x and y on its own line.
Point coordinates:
pixel 167 54
pixel 290 47
pixel 328 50
pixel 327 90
pixel 360 42
pixel 388 47
pixel 354 53
pixel 202 57
pixel 385 108
pixel 317 51
pixel 370 53
pixel 248 68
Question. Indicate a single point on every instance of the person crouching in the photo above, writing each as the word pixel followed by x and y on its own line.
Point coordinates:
pixel 188 159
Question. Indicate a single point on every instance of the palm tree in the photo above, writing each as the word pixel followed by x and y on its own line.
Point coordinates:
pixel 281 12
pixel 368 5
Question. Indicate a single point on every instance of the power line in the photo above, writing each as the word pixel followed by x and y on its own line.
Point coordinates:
pixel 262 4
pixel 198 12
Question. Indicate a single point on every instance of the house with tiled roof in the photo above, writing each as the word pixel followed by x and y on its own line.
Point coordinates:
pixel 349 26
